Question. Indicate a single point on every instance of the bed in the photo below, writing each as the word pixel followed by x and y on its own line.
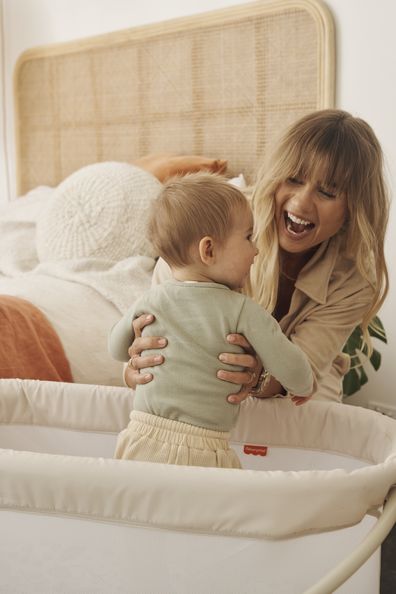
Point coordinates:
pixel 307 510
pixel 112 99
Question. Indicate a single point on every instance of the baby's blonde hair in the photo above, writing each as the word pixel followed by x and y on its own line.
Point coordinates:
pixel 189 208
pixel 347 150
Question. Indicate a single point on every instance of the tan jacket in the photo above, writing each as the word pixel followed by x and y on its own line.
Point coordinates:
pixel 329 301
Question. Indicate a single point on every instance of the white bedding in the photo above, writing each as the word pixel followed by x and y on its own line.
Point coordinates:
pixel 18 220
pixel 81 297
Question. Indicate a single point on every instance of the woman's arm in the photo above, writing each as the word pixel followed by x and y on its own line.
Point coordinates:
pixel 165 166
pixel 325 330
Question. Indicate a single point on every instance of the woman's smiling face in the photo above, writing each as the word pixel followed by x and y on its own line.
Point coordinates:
pixel 307 213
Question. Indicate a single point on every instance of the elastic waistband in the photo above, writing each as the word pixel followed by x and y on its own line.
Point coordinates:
pixel 173 431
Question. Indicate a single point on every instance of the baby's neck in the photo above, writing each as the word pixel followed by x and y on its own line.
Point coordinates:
pixel 191 273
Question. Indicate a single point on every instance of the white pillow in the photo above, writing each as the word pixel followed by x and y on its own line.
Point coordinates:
pixel 18 231
pixel 100 211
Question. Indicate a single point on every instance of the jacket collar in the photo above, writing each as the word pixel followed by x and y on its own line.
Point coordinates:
pixel 314 278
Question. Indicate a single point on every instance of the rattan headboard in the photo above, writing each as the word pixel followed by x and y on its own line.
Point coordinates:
pixel 222 84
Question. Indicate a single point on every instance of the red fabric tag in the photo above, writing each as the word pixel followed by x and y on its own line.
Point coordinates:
pixel 255 450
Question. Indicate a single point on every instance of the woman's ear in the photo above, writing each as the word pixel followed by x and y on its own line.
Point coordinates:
pixel 207 250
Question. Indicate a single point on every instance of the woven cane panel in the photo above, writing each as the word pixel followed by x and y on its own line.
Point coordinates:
pixel 223 84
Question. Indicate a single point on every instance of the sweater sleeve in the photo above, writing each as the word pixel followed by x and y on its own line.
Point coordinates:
pixel 121 336
pixel 283 359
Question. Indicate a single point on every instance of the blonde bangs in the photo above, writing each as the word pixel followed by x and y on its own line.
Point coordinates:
pixel 324 155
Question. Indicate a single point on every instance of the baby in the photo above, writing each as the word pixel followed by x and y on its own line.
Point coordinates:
pixel 202 226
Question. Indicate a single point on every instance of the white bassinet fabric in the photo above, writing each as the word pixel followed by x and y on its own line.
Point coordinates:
pixel 247 503
pixel 80 407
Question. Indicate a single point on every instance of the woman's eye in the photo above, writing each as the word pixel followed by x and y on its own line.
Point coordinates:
pixel 294 180
pixel 327 194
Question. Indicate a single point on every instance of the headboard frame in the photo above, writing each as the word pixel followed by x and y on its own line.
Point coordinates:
pixel 222 83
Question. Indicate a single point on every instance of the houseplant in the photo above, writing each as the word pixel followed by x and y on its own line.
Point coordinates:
pixel 356 348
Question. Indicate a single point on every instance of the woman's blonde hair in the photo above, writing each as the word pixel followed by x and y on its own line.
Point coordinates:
pixel 189 208
pixel 346 149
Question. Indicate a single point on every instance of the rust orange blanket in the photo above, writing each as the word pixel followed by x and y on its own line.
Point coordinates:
pixel 29 346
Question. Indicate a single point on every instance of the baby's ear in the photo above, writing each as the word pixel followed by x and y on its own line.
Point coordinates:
pixel 207 250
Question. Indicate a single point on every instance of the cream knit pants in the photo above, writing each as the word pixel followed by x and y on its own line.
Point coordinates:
pixel 150 438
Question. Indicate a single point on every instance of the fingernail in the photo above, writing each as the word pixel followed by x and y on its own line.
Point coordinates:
pixel 149 318
pixel 158 359
pixel 147 377
pixel 223 358
pixel 162 342
pixel 232 399
pixel 231 338
pixel 221 374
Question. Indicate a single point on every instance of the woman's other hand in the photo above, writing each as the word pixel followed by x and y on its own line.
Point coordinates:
pixel 164 167
pixel 249 376
pixel 132 375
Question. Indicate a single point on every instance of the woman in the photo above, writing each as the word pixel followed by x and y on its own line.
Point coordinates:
pixel 321 209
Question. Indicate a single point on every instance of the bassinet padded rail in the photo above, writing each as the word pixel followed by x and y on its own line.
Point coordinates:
pixel 263 503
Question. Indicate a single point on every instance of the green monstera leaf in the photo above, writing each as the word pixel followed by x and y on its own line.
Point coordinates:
pixel 355 347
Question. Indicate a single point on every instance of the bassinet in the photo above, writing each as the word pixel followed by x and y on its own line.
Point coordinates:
pixel 75 520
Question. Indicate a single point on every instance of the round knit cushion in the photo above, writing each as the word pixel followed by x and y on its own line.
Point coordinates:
pixel 100 211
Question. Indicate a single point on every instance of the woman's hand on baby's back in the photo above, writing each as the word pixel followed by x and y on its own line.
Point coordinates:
pixel 133 375
pixel 247 377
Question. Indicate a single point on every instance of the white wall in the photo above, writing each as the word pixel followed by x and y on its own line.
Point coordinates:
pixel 366 75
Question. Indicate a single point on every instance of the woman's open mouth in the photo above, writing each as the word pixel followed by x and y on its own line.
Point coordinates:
pixel 296 226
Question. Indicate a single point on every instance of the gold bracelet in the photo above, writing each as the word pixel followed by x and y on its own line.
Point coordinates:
pixel 263 380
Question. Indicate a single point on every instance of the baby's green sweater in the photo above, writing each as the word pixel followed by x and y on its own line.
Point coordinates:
pixel 196 318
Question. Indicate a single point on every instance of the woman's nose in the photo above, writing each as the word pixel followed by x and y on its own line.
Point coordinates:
pixel 303 196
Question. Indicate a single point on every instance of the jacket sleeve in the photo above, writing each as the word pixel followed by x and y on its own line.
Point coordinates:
pixel 283 359
pixel 326 327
